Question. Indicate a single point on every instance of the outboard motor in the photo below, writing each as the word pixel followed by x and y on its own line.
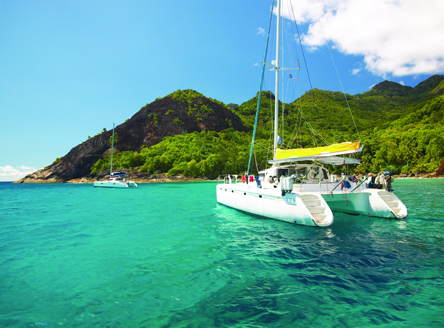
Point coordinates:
pixel 286 185
pixel 388 174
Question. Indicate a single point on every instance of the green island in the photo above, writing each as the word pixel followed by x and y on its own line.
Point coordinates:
pixel 401 128
pixel 186 135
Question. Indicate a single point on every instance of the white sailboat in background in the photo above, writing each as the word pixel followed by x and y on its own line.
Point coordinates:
pixel 301 193
pixel 116 179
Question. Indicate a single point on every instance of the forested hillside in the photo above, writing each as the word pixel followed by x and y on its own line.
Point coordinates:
pixel 401 128
pixel 186 133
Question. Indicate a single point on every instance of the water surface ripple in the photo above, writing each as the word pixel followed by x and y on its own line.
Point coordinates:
pixel 167 255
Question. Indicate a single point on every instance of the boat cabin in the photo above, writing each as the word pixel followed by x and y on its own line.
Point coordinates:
pixel 299 172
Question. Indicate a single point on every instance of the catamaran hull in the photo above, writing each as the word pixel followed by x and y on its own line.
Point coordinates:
pixel 106 184
pixel 370 202
pixel 300 208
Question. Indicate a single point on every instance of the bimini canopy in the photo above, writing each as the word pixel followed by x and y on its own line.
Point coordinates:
pixel 118 174
pixel 325 154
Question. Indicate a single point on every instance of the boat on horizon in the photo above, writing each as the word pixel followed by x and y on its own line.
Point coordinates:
pixel 298 188
pixel 116 179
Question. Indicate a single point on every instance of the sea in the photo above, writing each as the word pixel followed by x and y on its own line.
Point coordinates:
pixel 168 255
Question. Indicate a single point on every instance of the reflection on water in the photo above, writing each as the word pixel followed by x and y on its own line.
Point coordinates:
pixel 167 255
pixel 353 264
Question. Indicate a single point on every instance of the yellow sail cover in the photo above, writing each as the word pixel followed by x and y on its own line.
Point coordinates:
pixel 331 150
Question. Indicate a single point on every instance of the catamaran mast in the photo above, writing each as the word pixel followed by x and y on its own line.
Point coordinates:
pixel 276 91
pixel 112 150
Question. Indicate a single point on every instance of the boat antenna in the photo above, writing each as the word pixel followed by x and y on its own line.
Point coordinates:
pixel 260 88
pixel 277 68
pixel 112 149
pixel 276 93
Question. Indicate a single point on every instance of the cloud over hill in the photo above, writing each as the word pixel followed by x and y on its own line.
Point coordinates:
pixel 394 37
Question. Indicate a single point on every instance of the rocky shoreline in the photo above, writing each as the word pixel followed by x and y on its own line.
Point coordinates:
pixel 42 176
pixel 141 177
pixel 418 176
pixel 137 177
pixel 158 178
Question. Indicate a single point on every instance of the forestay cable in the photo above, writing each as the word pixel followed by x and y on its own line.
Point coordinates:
pixel 260 88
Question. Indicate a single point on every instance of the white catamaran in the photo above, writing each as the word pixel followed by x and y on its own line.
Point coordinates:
pixel 297 192
pixel 116 179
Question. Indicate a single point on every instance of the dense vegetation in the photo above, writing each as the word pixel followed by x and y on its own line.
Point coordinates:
pixel 413 143
pixel 207 153
pixel 401 128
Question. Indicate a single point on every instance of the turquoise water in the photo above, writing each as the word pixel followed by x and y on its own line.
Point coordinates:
pixel 167 255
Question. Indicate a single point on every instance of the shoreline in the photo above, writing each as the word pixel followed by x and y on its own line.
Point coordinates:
pixel 85 180
pixel 47 176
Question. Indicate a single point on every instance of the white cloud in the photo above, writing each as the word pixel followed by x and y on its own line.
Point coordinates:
pixel 260 31
pixel 9 173
pixel 402 82
pixel 356 71
pixel 395 37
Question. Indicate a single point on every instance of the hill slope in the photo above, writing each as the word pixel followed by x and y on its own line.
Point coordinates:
pixel 179 113
pixel 401 128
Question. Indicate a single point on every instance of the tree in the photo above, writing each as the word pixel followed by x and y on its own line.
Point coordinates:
pixel 116 139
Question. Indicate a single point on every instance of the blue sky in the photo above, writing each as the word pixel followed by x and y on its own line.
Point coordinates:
pixel 70 68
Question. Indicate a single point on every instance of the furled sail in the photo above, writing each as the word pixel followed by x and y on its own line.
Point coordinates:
pixel 318 152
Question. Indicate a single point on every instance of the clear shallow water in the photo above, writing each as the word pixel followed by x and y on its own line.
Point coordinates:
pixel 167 255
